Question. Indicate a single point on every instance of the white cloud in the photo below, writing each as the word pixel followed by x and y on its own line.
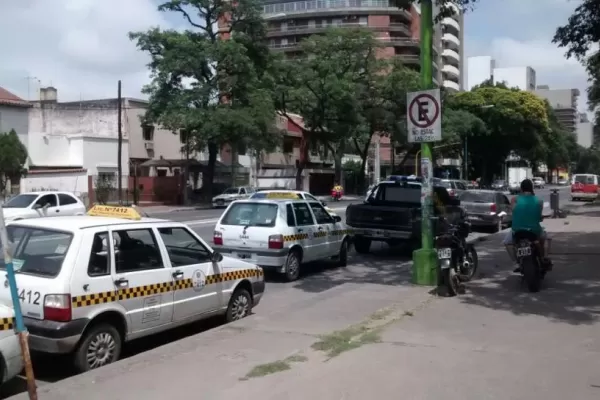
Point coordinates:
pixel 79 46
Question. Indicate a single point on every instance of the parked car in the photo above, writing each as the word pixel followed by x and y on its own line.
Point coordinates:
pixel 539 182
pixel 392 214
pixel 231 194
pixel 453 186
pixel 514 187
pixel 42 204
pixel 584 187
pixel 563 182
pixel 500 184
pixel 484 208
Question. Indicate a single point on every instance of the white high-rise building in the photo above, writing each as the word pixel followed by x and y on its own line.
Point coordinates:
pixel 483 68
pixel 452 49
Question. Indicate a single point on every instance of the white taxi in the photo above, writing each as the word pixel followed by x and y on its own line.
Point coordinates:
pixel 87 284
pixel 281 233
pixel 10 349
pixel 291 194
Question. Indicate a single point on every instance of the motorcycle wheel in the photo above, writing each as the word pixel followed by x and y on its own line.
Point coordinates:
pixel 451 281
pixel 531 273
pixel 472 258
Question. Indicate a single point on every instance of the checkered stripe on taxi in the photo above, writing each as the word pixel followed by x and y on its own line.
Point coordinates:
pixel 320 234
pixel 156 288
pixel 293 238
pixel 341 232
pixel 7 324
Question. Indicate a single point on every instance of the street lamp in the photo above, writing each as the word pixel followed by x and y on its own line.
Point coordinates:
pixel 465 155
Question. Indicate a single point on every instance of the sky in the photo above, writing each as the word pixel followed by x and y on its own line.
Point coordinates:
pixel 81 46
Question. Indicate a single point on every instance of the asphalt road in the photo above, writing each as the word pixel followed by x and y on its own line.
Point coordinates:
pixel 383 266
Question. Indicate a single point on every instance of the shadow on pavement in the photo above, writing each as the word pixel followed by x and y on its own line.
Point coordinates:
pixel 570 293
pixel 383 265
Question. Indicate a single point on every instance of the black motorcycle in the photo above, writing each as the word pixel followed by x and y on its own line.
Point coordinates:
pixel 457 259
pixel 533 266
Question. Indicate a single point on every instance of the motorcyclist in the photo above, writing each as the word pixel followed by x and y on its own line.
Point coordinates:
pixel 526 216
pixel 337 188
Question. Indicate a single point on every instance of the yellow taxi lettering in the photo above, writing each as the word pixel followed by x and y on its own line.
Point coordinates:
pixel 282 195
pixel 114 212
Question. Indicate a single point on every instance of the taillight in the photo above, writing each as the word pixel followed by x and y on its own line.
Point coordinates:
pixel 493 208
pixel 276 242
pixel 57 307
pixel 451 192
pixel 218 238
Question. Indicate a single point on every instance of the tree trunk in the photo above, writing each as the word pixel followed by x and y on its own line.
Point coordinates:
pixel 337 162
pixel 364 154
pixel 208 177
pixel 303 160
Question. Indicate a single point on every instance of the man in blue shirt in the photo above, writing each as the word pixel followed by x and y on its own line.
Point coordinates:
pixel 526 216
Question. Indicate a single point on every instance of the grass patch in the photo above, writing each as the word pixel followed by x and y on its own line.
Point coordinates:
pixel 274 367
pixel 339 342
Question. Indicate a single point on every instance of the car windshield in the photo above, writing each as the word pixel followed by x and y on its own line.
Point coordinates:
pixel 37 251
pixel 231 191
pixel 499 182
pixel 584 179
pixel 21 201
pixel 445 184
pixel 407 193
pixel 477 197
pixel 251 214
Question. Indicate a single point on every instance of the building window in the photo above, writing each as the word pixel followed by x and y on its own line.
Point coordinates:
pixel 183 136
pixel 288 145
pixel 148 132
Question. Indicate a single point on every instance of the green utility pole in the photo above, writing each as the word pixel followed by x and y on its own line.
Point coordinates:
pixel 425 259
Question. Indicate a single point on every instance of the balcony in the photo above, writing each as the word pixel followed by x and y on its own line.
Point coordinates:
pixel 285 47
pixel 325 7
pixel 451 85
pixel 451 70
pixel 401 42
pixel 448 21
pixel 451 55
pixel 451 41
pixel 312 29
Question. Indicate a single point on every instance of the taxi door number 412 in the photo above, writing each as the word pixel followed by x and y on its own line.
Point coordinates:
pixel 30 296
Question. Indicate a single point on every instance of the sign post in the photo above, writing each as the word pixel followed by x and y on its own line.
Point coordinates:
pixel 19 324
pixel 425 126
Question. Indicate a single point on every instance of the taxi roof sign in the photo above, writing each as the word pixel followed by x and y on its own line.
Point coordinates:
pixel 283 195
pixel 114 212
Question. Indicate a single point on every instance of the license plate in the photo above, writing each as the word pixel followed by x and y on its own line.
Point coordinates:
pixel 244 256
pixel 523 251
pixel 473 217
pixel 444 254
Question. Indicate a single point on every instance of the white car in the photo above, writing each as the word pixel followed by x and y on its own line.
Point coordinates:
pixel 231 194
pixel 42 204
pixel 91 283
pixel 10 349
pixel 281 234
pixel 539 183
pixel 290 194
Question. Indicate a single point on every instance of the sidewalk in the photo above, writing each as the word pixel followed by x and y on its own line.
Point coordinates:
pixel 361 340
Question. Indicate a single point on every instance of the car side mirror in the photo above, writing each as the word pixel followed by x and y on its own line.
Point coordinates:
pixel 324 203
pixel 216 257
pixel 337 218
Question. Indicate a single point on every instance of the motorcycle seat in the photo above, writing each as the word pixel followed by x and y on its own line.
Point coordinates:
pixel 525 235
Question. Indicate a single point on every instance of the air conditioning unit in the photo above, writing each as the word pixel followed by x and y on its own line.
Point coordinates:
pixel 149 145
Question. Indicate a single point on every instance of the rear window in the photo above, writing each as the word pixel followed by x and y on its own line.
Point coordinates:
pixel 478 197
pixel 410 193
pixel 39 252
pixel 251 214
pixel 584 179
pixel 445 184
pixel 276 195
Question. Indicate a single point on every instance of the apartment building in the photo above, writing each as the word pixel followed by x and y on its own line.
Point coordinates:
pixel 483 68
pixel 564 103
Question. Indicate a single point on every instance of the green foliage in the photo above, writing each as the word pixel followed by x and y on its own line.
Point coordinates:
pixel 578 37
pixel 13 156
pixel 218 90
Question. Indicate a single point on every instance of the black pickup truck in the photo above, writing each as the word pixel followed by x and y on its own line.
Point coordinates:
pixel 392 214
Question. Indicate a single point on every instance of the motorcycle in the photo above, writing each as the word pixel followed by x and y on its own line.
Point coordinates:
pixel 336 195
pixel 457 259
pixel 529 257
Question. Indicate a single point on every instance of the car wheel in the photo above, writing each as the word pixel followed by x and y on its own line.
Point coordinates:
pixel 100 346
pixel 240 305
pixel 362 245
pixel 292 266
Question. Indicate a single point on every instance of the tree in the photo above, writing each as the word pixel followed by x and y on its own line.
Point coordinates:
pixel 578 37
pixel 212 80
pixel 516 122
pixel 321 86
pixel 13 156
